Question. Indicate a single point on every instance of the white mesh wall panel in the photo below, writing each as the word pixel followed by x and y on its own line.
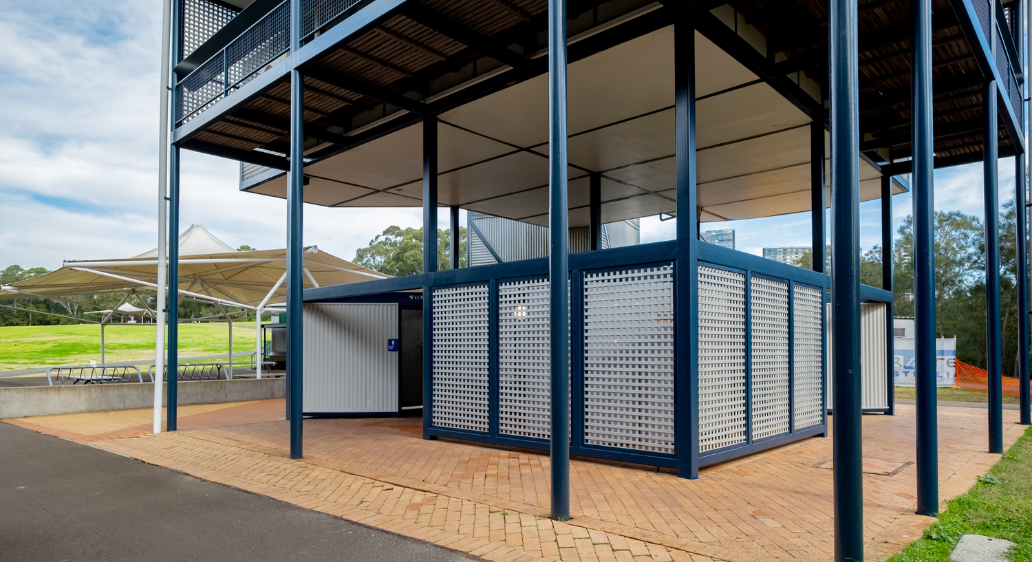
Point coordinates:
pixel 629 359
pixel 721 336
pixel 769 336
pixel 808 378
pixel 460 358
pixel 523 359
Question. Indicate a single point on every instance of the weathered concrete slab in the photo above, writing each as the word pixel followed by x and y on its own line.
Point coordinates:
pixel 977 548
pixel 52 400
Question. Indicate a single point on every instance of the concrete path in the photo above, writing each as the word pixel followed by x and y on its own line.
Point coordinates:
pixel 67 501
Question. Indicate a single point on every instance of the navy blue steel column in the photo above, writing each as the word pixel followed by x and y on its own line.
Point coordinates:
pixel 819 233
pixel 845 280
pixel 686 386
pixel 295 249
pixel 595 210
pixel 171 390
pixel 453 230
pixel 994 340
pixel 886 236
pixel 923 186
pixel 558 259
pixel 1022 212
pixel 429 265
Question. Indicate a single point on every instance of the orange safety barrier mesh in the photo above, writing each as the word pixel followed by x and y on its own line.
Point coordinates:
pixel 972 378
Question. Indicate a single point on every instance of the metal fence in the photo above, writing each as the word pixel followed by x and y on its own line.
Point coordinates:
pixel 88 374
pixel 195 372
pixel 253 52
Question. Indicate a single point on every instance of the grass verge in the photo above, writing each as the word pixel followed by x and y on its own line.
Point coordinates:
pixel 999 505
pixel 949 394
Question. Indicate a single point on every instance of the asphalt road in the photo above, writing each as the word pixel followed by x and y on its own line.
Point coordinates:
pixel 61 500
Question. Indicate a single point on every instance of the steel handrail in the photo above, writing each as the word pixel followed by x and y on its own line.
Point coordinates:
pixel 88 374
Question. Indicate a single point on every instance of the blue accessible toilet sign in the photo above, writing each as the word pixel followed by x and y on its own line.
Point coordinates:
pixel 392 345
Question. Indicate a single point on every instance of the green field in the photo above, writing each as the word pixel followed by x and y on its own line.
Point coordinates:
pixel 954 395
pixel 27 347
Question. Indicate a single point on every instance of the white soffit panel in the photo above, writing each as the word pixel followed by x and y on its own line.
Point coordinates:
pixel 384 199
pixel 318 191
pixel 785 203
pixel 515 172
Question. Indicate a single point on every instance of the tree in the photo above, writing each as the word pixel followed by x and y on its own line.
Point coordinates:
pixel 870 265
pixel 398 252
pixel 246 248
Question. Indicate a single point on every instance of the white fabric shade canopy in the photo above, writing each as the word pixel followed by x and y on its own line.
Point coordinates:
pixel 208 270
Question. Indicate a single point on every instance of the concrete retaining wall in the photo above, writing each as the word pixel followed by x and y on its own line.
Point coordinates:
pixel 50 400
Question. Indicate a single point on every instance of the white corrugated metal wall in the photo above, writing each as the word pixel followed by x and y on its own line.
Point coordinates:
pixel 873 357
pixel 515 240
pixel 348 368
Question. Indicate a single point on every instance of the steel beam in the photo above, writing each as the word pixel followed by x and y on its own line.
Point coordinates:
pixel 595 211
pixel 454 234
pixel 558 260
pixel 464 35
pixel 686 367
pixel 1021 212
pixel 923 185
pixel 845 281
pixel 994 337
pixel 819 232
pixel 295 244
pixel 430 174
pixel 172 390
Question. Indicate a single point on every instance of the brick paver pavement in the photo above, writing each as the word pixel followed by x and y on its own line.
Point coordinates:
pixel 493 502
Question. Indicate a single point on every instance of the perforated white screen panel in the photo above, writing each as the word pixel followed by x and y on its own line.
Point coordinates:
pixel 460 357
pixel 523 359
pixel 721 358
pixel 629 359
pixel 769 333
pixel 808 379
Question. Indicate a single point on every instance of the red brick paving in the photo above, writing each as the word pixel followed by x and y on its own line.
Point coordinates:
pixel 493 502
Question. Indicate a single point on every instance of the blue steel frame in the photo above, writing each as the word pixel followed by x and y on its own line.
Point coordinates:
pixel 295 244
pixel 845 241
pixel 172 385
pixel 994 336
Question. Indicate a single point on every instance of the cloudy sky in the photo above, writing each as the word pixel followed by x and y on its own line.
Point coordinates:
pixel 78 153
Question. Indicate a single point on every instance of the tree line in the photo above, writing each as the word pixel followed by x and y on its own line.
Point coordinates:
pixel 960 288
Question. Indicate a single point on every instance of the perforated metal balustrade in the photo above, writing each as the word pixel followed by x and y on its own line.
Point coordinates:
pixel 461 358
pixel 201 20
pixel 721 358
pixel 629 359
pixel 769 338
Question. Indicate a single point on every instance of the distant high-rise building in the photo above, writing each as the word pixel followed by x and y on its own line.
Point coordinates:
pixel 725 238
pixel 787 254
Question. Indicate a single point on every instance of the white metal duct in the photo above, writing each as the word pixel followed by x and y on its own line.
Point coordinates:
pixel 348 368
pixel 873 357
pixel 808 378
pixel 721 358
pixel 629 359
pixel 460 358
pixel 769 337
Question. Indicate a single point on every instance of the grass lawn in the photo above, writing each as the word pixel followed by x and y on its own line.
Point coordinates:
pixel 954 395
pixel 999 505
pixel 26 347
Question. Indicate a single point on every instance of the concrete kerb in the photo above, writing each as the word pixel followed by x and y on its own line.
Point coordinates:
pixel 20 402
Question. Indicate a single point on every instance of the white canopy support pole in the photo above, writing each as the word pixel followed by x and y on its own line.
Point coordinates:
pixel 312 279
pixel 355 271
pixel 229 321
pixel 206 298
pixel 159 337
pixel 259 344
pixel 273 291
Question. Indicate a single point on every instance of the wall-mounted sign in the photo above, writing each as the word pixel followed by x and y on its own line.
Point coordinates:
pixel 392 345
